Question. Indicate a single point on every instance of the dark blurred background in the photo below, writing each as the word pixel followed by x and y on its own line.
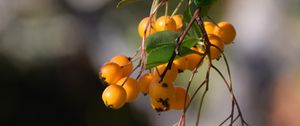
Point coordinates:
pixel 51 51
pixel 46 73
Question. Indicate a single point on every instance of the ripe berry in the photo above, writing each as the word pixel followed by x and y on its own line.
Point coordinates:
pixel 131 87
pixel 214 52
pixel 225 31
pixel 162 92
pixel 178 21
pixel 193 59
pixel 181 63
pixel 124 62
pixel 114 96
pixel 144 82
pixel 110 73
pixel 180 94
pixel 209 27
pixel 165 23
pixel 171 74
pixel 142 27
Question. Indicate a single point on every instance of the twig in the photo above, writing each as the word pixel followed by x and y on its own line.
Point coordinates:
pixel 201 104
pixel 189 84
pixel 232 95
pixel 179 40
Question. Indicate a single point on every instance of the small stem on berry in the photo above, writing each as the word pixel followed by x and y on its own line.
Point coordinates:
pixel 177 8
pixel 135 68
pixel 135 57
pixel 152 6
pixel 140 72
pixel 166 14
pixel 166 9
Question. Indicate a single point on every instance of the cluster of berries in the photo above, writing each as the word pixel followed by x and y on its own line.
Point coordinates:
pixel 164 95
pixel 122 88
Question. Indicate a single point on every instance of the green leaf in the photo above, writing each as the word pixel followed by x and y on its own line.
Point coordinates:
pixel 185 51
pixel 124 2
pixel 163 53
pixel 161 45
pixel 161 38
pixel 189 42
pixel 160 55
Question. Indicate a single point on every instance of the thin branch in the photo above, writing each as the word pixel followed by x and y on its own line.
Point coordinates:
pixel 189 84
pixel 232 95
pixel 179 40
pixel 188 87
pixel 201 104
pixel 130 74
pixel 207 51
pixel 194 94
pixel 225 120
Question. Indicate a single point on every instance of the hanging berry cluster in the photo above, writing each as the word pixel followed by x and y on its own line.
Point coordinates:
pixel 170 45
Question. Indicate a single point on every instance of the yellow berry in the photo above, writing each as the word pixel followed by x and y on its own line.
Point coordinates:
pixel 110 73
pixel 162 92
pixel 165 23
pixel 144 82
pixel 193 59
pixel 180 94
pixel 143 25
pixel 214 52
pixel 131 87
pixel 178 21
pixel 225 31
pixel 171 74
pixel 181 63
pixel 124 62
pixel 114 96
pixel 209 27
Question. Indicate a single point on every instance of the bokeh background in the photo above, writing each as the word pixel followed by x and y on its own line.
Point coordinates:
pixel 51 51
